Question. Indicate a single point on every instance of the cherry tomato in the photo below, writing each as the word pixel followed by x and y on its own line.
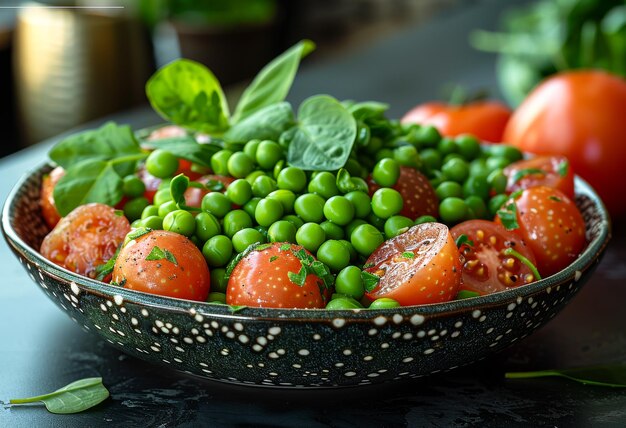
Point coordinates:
pixel 487 267
pixel 483 119
pixel 578 114
pixel 417 193
pixel 48 207
pixel 417 267
pixel 265 278
pixel 85 238
pixel 152 183
pixel 194 195
pixel 163 263
pixel 549 223
pixel 551 171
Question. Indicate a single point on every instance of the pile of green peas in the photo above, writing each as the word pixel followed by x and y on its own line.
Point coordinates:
pixel 270 201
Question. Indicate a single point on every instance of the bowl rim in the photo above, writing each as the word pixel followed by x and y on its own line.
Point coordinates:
pixel 585 261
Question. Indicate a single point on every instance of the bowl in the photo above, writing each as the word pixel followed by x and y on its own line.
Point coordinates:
pixel 299 348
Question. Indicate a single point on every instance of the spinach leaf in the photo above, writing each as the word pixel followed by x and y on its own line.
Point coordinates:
pixel 273 82
pixel 268 123
pixel 85 182
pixel 368 109
pixel 188 94
pixel 325 135
pixel 105 143
pixel 186 147
pixel 73 398
pixel 178 186
pixel 604 375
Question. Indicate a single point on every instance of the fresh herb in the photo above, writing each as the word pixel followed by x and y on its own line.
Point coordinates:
pixel 178 186
pixel 298 278
pixel 214 185
pixel 367 109
pixel 603 375
pixel 137 233
pixel 119 213
pixel 267 123
pixel 563 167
pixel 186 147
pixel 273 259
pixel 236 308
pixel 526 172
pixel 370 281
pixel 158 254
pixel 524 260
pixel 73 398
pixel 466 294
pixel 105 269
pixel 464 240
pixel 285 247
pixel 555 198
pixel 408 255
pixel 508 216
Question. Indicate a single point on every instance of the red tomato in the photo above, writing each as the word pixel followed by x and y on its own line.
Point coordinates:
pixel 417 267
pixel 550 224
pixel 262 279
pixel 193 195
pixel 578 114
pixel 483 119
pixel 418 194
pixel 85 238
pixel 551 171
pixel 486 267
pixel 48 207
pixel 164 263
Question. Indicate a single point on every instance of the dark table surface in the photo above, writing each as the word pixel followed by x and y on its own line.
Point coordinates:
pixel 41 349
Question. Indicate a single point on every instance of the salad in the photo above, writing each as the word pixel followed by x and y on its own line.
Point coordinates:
pixel 334 207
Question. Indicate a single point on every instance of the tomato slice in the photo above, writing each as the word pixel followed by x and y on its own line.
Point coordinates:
pixel 85 238
pixel 417 267
pixel 487 268
pixel 551 171
pixel 48 207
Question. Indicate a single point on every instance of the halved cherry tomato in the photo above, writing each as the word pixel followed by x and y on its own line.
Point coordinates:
pixel 48 207
pixel 487 268
pixel 417 267
pixel 485 120
pixel 551 171
pixel 418 194
pixel 85 238
pixel 265 278
pixel 163 263
pixel 550 224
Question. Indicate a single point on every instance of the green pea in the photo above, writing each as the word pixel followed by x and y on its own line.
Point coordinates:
pixel 339 210
pixel 219 162
pixel 407 156
pixel 161 164
pixel 476 186
pixel 180 221
pixel 165 183
pixel 134 208
pixel 334 254
pixel 324 184
pixel 453 210
pixel 310 236
pixel 468 146
pixel 505 151
pixel 239 191
pixel 477 206
pixel 386 202
pixel 217 251
pixel 456 169
pixel 427 136
pixel 292 178
pixel 384 303
pixel 350 247
pixel 359 184
pixel 343 303
pixel 310 207
pixel 240 165
pixel 152 222
pixel 136 224
pixel 207 226
pixel 263 231
pixel 355 169
pixel 268 153
pixel 495 203
pixel 167 208
pixel 234 221
pixel 396 225
pixel 250 206
pixel 218 283
pixel 425 219
pixel 332 230
pixel 294 219
pixel 149 211
pixel 384 153
pixel 497 181
pixel 365 239
pixel 216 203
pixel 363 135
pixel 377 222
pixel 349 228
pixel 446 146
pixel 431 159
pixel 246 237
pixel 479 167
pixel 350 283
pixel 374 145
pixel 448 189
pixel 496 163
pixel 282 231
pixel 251 147
pixel 361 202
pixel 386 172
pixel 253 176
pixel 451 156
pixel 162 196
pixel 132 186
pixel 286 197
pixel 216 297
pixel 263 186
pixel 268 211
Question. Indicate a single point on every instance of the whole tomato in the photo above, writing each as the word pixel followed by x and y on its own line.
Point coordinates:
pixel 578 114
pixel 485 120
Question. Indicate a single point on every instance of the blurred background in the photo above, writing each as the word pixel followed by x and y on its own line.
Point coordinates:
pixel 61 66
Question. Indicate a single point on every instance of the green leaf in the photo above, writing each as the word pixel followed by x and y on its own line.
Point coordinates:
pixel 158 254
pixel 368 109
pixel 563 168
pixel 325 135
pixel 466 294
pixel 88 181
pixel 533 269
pixel 178 186
pixel 298 278
pixel 602 375
pixel 508 216
pixel 408 255
pixel 108 142
pixel 186 147
pixel 107 268
pixel 188 94
pixel 268 123
pixel 73 398
pixel 273 82
pixel 370 281
pixel 525 172
pixel 463 239
pixel 344 182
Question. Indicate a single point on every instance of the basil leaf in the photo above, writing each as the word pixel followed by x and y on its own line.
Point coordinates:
pixel 368 109
pixel 324 137
pixel 107 142
pixel 273 82
pixel 88 181
pixel 187 148
pixel 178 186
pixel 564 165
pixel 158 254
pixel 107 268
pixel 508 216
pixel 463 239
pixel 466 294
pixel 370 281
pixel 268 123
pixel 188 94
pixel 525 172
pixel 603 375
pixel 298 278
pixel 73 398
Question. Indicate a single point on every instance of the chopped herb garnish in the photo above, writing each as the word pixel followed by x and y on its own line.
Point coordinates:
pixel 137 233
pixel 285 247
pixel 214 185
pixel 555 198
pixel 466 294
pixel 119 213
pixel 273 259
pixel 298 278
pixel 158 254
pixel 107 268
pixel 236 308
pixel 370 281
pixel 526 172
pixel 464 240
pixel 563 168
pixel 508 216
pixel 368 265
pixel 408 255
pixel 524 260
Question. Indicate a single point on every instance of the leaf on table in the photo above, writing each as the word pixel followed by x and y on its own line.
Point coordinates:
pixel 603 375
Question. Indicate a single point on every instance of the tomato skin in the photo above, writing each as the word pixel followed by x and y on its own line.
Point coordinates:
pixel 558 174
pixel 432 275
pixel 85 238
pixel 551 225
pixel 48 207
pixel 486 269
pixel 578 114
pixel 187 278
pixel 261 279
pixel 485 120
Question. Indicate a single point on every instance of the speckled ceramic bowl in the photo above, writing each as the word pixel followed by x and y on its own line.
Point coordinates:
pixel 298 348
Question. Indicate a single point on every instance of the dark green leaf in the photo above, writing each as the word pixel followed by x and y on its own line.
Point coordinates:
pixel 273 82
pixel 344 181
pixel 267 123
pixel 137 233
pixel 88 181
pixel 463 239
pixel 188 94
pixel 186 147
pixel 107 268
pixel 273 259
pixel 555 198
pixel 325 136
pixel 158 254
pixel 170 257
pixel 525 172
pixel 466 294
pixel 298 278
pixel 285 247
pixel 603 375
pixel 73 398
pixel 178 186
pixel 236 308
pixel 368 109
pixel 370 281
pixel 523 260
pixel 508 216
pixel 563 168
